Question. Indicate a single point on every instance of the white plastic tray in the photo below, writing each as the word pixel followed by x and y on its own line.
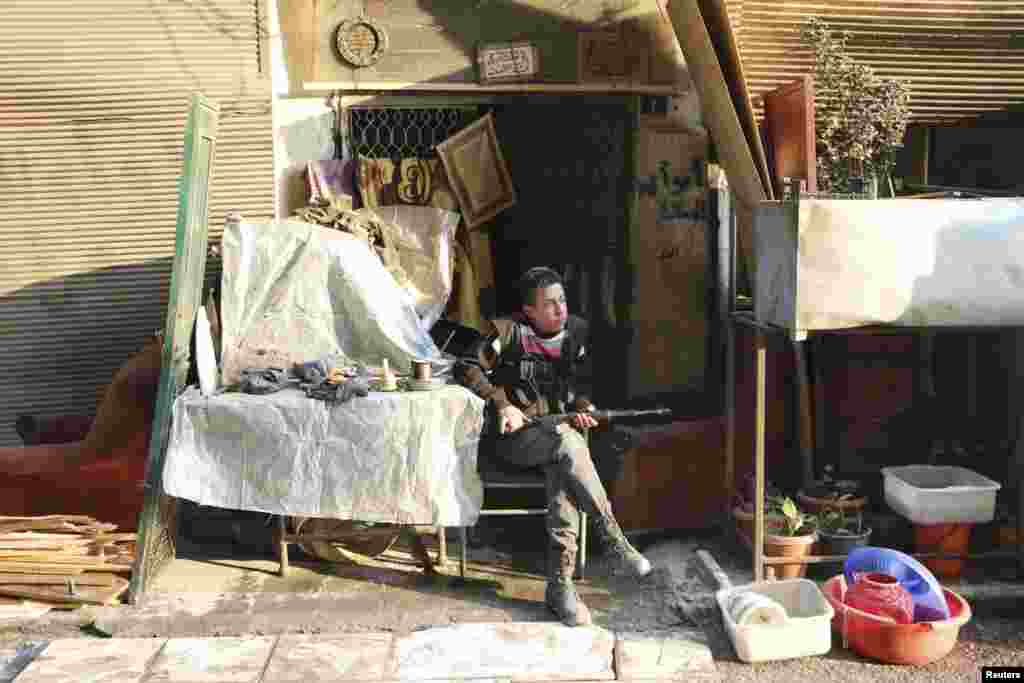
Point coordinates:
pixel 806 632
pixel 933 494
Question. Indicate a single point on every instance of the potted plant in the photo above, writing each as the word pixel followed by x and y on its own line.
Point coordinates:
pixel 794 537
pixel 859 117
pixel 743 507
pixel 841 528
pixel 830 492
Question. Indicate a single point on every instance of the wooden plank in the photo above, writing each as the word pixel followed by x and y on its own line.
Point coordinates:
pixel 8 524
pixel 616 53
pixel 789 123
pixel 17 609
pixel 59 566
pixel 729 292
pixel 43 536
pixel 300 24
pixel 730 140
pixel 760 374
pixel 91 579
pixel 716 19
pixel 805 426
pixel 818 359
pixel 40 568
pixel 668 65
pixel 917 151
pixel 126 537
pixel 76 595
pixel 669 254
pixel 28 544
pixel 436 41
pixel 552 88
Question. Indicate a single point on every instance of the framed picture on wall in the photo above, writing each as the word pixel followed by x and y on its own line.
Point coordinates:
pixel 477 172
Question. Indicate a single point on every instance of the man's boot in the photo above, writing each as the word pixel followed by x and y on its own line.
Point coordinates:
pixel 560 596
pixel 579 475
pixel 624 556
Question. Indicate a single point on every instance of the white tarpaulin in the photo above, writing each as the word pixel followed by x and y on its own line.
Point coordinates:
pixel 406 458
pixel 847 263
pixel 421 238
pixel 294 292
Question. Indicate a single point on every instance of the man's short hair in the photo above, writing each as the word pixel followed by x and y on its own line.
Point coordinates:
pixel 534 279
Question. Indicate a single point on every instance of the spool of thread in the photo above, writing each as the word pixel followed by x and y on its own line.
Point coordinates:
pixel 421 370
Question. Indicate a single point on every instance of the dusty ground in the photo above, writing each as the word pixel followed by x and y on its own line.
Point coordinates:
pixel 212 591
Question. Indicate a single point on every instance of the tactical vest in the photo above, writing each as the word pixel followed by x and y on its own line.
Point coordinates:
pixel 536 384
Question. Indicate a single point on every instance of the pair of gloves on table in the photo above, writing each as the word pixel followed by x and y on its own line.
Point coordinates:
pixel 320 379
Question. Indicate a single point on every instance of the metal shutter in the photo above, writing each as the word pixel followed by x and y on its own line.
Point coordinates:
pixel 94 96
pixel 963 57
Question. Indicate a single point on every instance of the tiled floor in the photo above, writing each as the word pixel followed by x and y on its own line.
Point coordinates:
pixel 498 652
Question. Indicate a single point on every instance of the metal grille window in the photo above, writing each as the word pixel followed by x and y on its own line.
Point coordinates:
pixel 399 132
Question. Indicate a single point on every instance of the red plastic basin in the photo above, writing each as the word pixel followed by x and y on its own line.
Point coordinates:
pixel 883 639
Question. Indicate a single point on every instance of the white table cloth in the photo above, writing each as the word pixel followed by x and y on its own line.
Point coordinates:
pixel 401 457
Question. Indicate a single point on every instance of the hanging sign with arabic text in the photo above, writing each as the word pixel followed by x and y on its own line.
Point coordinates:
pixel 507 62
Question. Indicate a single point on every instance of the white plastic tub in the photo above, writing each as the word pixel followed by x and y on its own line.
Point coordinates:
pixel 932 494
pixel 806 631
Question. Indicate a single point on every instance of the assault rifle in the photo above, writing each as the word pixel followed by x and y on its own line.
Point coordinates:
pixel 599 415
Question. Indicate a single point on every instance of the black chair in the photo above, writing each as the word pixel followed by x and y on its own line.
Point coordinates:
pixel 495 475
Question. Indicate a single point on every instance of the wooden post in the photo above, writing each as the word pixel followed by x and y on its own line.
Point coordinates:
pixel 730 364
pixel 463 544
pixel 730 414
pixel 759 430
pixel 972 435
pixel 926 385
pixel 1019 468
pixel 300 30
pixel 819 412
pixel 1016 469
pixel 282 546
pixel 805 426
pixel 917 150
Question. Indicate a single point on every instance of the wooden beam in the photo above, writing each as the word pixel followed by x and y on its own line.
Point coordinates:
pixel 805 425
pixel 759 432
pixel 556 88
pixel 918 147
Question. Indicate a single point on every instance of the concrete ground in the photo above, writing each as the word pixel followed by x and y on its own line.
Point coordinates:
pixel 214 592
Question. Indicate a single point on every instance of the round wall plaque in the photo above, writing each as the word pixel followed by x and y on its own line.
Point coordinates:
pixel 361 42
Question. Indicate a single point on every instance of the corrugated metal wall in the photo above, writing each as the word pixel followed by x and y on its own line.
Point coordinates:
pixel 962 57
pixel 93 101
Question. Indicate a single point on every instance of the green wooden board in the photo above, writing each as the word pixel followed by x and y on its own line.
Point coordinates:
pixel 156 536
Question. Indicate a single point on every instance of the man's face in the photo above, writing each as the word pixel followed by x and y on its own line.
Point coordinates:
pixel 549 312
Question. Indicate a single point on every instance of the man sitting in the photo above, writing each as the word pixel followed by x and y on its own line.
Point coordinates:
pixel 525 367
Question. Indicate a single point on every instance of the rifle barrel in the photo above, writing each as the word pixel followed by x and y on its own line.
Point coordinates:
pixel 600 415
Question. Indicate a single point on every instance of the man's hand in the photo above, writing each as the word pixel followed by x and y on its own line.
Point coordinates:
pixel 583 420
pixel 512 419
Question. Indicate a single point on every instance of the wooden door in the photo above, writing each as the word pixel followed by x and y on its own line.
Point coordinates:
pixel 789 123
pixel 155 544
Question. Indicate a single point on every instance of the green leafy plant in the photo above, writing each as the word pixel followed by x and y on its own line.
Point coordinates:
pixel 835 520
pixel 860 118
pixel 795 522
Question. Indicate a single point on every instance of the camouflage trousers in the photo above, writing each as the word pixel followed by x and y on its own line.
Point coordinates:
pixel 572 484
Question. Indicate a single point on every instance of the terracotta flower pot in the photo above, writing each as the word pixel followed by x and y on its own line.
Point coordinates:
pixel 815 505
pixel 745 522
pixel 796 547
